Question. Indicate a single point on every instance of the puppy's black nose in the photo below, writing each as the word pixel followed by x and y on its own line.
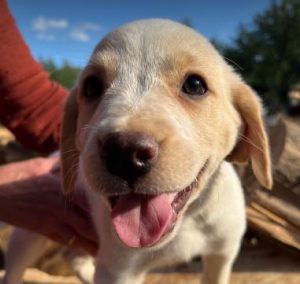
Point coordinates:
pixel 129 155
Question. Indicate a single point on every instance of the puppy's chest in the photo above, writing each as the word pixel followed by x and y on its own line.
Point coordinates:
pixel 188 242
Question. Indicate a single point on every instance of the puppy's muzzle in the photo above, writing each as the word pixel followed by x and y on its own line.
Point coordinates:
pixel 129 155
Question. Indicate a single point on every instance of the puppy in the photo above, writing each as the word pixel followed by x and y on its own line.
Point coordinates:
pixel 149 130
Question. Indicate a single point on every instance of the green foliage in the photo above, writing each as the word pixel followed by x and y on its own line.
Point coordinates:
pixel 187 21
pixel 65 75
pixel 269 52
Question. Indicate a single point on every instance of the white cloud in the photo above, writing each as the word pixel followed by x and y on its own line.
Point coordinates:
pixel 90 27
pixel 82 32
pixel 45 37
pixel 41 24
pixel 80 35
pixel 49 29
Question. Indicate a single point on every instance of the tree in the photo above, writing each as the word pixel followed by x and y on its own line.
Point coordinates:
pixel 187 21
pixel 65 75
pixel 269 52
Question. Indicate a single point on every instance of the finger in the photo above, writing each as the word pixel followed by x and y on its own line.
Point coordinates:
pixel 44 165
pixel 56 168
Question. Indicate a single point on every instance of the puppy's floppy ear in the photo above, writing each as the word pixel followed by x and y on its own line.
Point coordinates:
pixel 69 151
pixel 253 143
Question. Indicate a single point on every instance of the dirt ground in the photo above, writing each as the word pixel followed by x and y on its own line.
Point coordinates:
pixel 258 263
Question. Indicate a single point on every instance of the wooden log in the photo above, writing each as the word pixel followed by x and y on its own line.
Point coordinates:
pixel 272 225
pixel 279 206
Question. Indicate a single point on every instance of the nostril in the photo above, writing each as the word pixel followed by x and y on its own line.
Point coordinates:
pixel 145 154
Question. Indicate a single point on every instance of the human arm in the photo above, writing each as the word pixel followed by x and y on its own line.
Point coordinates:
pixel 30 198
pixel 31 105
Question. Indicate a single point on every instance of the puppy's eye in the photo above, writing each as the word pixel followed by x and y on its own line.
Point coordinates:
pixel 194 86
pixel 92 87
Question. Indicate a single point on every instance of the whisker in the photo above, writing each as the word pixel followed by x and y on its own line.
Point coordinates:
pixel 234 63
pixel 73 151
pixel 71 172
pixel 249 141
pixel 87 126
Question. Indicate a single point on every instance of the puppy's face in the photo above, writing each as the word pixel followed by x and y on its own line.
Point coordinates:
pixel 157 111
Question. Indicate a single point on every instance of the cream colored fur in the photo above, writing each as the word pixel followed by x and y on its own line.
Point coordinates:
pixel 143 66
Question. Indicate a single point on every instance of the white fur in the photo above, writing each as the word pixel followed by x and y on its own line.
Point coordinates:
pixel 212 229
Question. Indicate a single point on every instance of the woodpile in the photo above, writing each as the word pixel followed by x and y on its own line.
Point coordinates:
pixel 276 214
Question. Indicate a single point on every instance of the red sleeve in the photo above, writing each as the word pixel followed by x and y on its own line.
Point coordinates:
pixel 31 104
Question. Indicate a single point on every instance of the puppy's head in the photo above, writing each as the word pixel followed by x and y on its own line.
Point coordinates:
pixel 151 118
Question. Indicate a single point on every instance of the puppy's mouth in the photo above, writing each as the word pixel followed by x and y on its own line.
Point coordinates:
pixel 142 220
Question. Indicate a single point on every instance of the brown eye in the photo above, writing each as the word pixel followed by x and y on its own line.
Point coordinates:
pixel 92 88
pixel 194 86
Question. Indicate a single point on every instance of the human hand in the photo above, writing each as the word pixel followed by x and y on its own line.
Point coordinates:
pixel 31 198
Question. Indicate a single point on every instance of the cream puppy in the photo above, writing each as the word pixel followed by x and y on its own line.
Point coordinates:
pixel 149 130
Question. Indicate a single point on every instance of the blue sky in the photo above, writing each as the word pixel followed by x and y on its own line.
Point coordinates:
pixel 68 30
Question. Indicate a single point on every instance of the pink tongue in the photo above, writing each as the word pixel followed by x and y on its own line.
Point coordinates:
pixel 142 220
